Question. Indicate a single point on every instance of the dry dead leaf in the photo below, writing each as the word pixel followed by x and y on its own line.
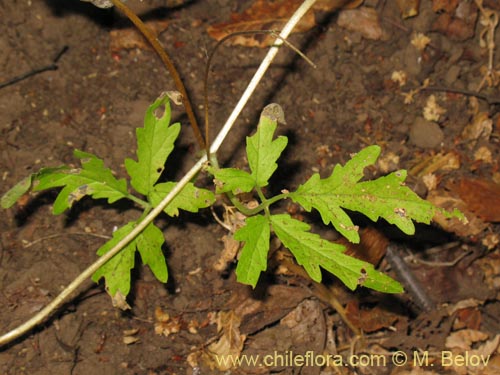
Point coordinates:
pixel 413 371
pixel 120 300
pixel 435 163
pixel 129 340
pixel 432 110
pixel 270 15
pixel 491 240
pixel 463 304
pixel 469 318
pixel 420 41
pixel 493 4
pixel 193 326
pixel 129 336
pixel 388 162
pixel 371 248
pixel 130 38
pixel 408 8
pixel 460 24
pixel 483 154
pixel 192 359
pixel 369 320
pixel 495 177
pixel 164 325
pixel 472 227
pixel 464 339
pixel 430 181
pixel 482 197
pixel 447 6
pixel 483 354
pixel 363 20
pixel 493 367
pixel 233 220
pixel 480 126
pixel 330 5
pixel 228 254
pixel 230 342
pixel 490 265
pixel 400 77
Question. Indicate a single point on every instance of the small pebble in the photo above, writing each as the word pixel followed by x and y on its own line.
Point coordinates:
pixel 425 134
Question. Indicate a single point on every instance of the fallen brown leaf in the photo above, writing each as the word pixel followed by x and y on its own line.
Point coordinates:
pixel 461 24
pixel 434 163
pixel 468 318
pixel 408 8
pixel 230 342
pixel 480 126
pixel 164 325
pixel 270 15
pixel 482 197
pixel 444 5
pixel 130 38
pixel 464 339
pixel 256 313
pixel 371 248
pixel 363 20
pixel 472 227
pixel 369 320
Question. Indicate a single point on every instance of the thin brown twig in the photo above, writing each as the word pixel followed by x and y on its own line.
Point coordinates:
pixel 52 66
pixel 41 239
pixel 151 38
pixel 489 99
pixel 275 34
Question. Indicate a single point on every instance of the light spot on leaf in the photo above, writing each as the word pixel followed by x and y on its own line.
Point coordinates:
pixel 79 194
pixel 362 278
pixel 400 211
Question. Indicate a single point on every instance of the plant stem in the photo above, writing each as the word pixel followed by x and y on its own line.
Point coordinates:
pixel 263 206
pixel 139 201
pixel 299 13
pixel 264 200
pixel 151 38
pixel 241 207
pixel 73 286
pixel 209 63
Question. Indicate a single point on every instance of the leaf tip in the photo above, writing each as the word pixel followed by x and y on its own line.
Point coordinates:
pixel 274 112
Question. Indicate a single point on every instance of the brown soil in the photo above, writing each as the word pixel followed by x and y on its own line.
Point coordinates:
pixel 97 97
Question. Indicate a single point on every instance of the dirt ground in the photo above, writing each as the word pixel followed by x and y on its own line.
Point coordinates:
pixel 97 97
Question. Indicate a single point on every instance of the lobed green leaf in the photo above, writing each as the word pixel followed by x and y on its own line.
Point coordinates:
pixel 19 189
pixel 93 179
pixel 233 180
pixel 116 271
pixel 263 152
pixel 149 244
pixel 253 258
pixel 155 142
pixel 386 197
pixel 311 251
pixel 190 198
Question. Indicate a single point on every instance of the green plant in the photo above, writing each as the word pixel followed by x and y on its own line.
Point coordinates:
pixel 141 225
pixel 155 142
pixel 386 197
